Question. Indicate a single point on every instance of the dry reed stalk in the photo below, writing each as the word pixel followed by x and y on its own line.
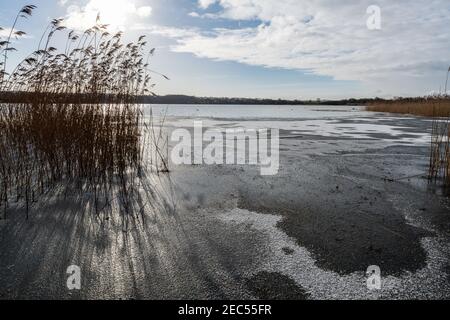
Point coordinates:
pixel 419 106
pixel 439 166
pixel 98 146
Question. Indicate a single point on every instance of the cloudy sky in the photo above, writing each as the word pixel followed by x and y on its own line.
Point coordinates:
pixel 271 48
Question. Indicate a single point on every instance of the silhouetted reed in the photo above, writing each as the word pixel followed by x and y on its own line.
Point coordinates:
pixel 97 139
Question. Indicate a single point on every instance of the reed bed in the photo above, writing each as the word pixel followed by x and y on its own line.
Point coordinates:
pixel 98 140
pixel 427 107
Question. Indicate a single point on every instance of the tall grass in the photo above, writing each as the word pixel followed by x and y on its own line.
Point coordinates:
pixel 99 146
pixel 439 167
pixel 427 107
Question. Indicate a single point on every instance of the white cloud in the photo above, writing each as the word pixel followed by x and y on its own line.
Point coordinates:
pixel 144 12
pixel 117 14
pixel 4 33
pixel 169 32
pixel 331 38
pixel 204 4
pixel 194 14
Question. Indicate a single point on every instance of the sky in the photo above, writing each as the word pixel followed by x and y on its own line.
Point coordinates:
pixel 288 49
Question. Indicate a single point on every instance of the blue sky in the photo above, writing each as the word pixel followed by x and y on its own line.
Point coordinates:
pixel 270 48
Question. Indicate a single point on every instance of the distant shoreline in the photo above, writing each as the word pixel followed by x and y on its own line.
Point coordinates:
pixel 25 97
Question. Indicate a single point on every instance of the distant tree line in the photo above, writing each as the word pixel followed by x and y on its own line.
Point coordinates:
pixel 182 99
pixel 24 97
